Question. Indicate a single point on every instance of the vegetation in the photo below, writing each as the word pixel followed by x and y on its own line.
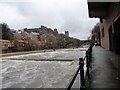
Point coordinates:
pixel 26 41
pixel 88 84
pixel 6 32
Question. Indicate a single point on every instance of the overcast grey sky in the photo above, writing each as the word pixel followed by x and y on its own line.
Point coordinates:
pixel 65 15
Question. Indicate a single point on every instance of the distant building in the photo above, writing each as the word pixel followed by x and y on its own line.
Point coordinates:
pixel 55 30
pixel 5 44
pixel 96 34
pixel 67 33
pixel 40 30
pixel 109 15
pixel 34 33
pixel 37 30
pixel 21 43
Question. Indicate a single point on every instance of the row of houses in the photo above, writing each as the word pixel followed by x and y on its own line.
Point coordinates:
pixel 20 38
pixel 108 29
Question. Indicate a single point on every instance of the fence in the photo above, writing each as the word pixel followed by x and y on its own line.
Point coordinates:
pixel 88 59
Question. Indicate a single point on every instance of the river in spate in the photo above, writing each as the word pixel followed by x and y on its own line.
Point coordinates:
pixel 25 72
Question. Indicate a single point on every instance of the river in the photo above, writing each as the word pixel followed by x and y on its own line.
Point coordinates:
pixel 25 72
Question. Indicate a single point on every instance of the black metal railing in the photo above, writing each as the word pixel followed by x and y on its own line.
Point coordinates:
pixel 80 69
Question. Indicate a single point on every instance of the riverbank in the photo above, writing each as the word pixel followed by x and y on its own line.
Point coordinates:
pixel 38 51
pixel 26 52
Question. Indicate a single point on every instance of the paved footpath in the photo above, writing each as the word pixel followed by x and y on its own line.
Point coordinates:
pixel 105 69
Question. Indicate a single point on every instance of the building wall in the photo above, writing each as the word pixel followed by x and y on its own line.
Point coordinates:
pixel 113 12
pixel 5 44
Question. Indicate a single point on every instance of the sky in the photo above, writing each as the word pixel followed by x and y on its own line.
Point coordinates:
pixel 65 15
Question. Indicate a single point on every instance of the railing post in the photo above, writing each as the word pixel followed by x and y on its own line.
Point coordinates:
pixel 87 64
pixel 82 79
pixel 89 54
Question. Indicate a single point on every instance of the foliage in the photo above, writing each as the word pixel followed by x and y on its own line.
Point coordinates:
pixel 88 83
pixel 51 39
pixel 6 32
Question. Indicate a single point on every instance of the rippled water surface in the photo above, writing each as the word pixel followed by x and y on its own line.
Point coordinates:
pixel 40 74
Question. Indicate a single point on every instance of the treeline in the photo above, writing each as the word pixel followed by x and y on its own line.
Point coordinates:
pixel 5 32
pixel 47 39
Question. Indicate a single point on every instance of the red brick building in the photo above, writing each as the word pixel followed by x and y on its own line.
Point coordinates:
pixel 109 15
pixel 5 44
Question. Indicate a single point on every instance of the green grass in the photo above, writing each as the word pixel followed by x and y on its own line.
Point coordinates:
pixel 88 83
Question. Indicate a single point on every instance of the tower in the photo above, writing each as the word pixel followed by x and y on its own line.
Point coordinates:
pixel 67 33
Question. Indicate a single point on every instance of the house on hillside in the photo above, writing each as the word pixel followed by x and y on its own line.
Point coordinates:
pixel 5 44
